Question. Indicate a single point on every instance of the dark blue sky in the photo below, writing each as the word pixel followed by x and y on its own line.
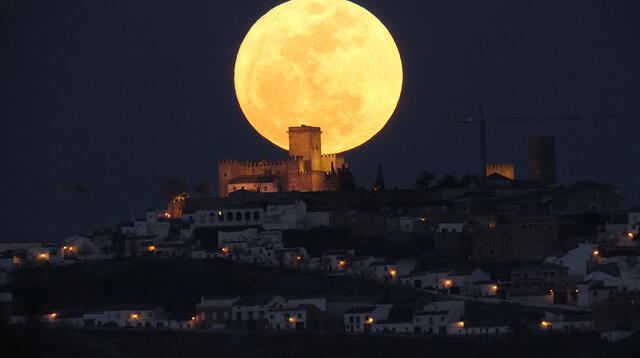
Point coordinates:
pixel 118 96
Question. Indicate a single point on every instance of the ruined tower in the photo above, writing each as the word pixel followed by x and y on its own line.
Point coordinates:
pixel 542 159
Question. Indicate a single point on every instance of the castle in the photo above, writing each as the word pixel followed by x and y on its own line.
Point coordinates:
pixel 306 169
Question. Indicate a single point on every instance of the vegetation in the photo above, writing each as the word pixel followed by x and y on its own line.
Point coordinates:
pixel 71 343
pixel 176 284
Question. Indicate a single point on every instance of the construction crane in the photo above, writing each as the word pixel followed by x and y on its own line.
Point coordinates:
pixel 80 193
pixel 482 120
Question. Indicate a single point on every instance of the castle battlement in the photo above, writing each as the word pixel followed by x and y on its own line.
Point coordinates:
pixel 505 169
pixel 250 163
pixel 304 169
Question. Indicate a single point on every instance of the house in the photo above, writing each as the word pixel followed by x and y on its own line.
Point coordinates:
pixel 544 283
pixel 481 326
pixel 428 322
pixel 288 319
pixel 86 248
pixel 235 243
pixel 577 260
pixel 484 288
pixel 567 322
pixel 215 311
pixel 435 317
pixel 361 266
pixel 590 293
pixel 337 260
pixel 293 257
pixel 285 215
pixel 360 319
pixel 391 270
pixel 522 239
pixel 461 281
pixel 251 312
pixel 393 326
pixel 127 315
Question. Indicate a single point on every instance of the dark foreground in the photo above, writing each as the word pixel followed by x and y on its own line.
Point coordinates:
pixel 39 342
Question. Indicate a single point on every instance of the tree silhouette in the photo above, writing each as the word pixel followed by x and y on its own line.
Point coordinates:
pixel 424 180
pixel 204 188
pixel 341 179
pixel 448 181
pixel 173 188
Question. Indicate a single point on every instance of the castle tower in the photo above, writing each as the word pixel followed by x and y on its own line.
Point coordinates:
pixel 542 159
pixel 507 170
pixel 304 142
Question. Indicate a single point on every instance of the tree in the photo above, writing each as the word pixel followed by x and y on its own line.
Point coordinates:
pixel 173 188
pixel 424 180
pixel 340 179
pixel 448 181
pixel 467 179
pixel 204 188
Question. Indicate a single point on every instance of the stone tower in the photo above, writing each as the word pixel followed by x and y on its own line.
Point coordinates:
pixel 542 159
pixel 304 142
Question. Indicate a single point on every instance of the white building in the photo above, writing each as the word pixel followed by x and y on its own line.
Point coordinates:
pixel 360 319
pixel 392 270
pixel 567 322
pixel 463 281
pixel 435 317
pixel 578 260
pixel 252 308
pixel 450 227
pixel 480 327
pixel 288 318
pixel 128 315
pixel 393 327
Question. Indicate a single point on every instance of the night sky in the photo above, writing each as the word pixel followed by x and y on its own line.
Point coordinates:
pixel 119 96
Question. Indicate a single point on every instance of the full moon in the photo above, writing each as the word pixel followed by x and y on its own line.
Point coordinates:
pixel 323 63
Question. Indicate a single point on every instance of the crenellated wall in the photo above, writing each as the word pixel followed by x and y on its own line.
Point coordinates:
pixel 505 169
pixel 304 170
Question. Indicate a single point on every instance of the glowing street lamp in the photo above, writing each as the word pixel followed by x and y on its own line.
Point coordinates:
pixel 494 287
pixel 596 252
pixel 292 319
pixel 461 324
pixel 151 248
pixel 630 235
pixel 393 273
pixel 225 250
pixel 134 316
pixel 342 263
pixel 448 283
pixel 370 320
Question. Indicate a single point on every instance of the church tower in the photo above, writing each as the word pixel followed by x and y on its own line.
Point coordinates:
pixel 378 185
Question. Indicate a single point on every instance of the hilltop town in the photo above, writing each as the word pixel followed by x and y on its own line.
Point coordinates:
pixel 492 257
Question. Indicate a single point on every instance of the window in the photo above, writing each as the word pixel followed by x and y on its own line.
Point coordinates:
pixel 256 215
pixel 238 216
pixel 350 319
pixel 247 216
pixel 230 216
